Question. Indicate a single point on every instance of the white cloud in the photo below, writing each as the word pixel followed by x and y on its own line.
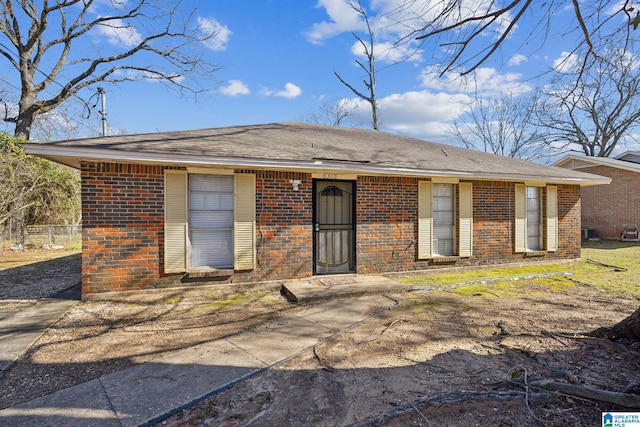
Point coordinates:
pixel 389 53
pixel 290 91
pixel 567 62
pixel 342 19
pixel 517 59
pixel 420 114
pixel 235 88
pixel 217 35
pixel 119 33
pixel 485 80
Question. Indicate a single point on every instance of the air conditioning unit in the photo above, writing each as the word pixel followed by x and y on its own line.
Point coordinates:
pixel 589 233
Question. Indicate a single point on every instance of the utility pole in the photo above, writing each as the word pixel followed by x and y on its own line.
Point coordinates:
pixel 103 112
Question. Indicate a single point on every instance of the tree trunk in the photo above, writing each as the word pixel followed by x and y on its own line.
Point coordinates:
pixel 628 328
pixel 15 229
pixel 24 121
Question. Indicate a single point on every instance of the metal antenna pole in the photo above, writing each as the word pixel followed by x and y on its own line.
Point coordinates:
pixel 103 112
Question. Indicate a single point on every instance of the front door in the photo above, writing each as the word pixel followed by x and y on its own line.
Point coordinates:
pixel 334 236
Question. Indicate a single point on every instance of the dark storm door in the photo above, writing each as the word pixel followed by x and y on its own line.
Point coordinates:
pixel 334 230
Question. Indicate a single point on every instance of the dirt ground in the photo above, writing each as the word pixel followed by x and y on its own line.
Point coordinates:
pixel 437 358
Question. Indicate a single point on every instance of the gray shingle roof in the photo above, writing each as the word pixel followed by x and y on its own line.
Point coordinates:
pixel 308 146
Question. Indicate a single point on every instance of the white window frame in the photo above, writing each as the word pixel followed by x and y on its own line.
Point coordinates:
pixel 226 230
pixel 450 214
pixel 534 210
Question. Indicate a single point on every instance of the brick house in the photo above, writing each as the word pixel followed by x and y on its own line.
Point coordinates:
pixel 290 200
pixel 607 209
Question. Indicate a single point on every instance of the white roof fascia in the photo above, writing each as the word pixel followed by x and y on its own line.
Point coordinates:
pixel 600 161
pixel 628 152
pixel 76 155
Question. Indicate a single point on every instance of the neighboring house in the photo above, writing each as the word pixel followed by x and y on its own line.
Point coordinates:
pixel 607 209
pixel 291 200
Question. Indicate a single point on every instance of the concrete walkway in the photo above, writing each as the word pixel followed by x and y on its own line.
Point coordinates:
pixel 21 324
pixel 150 392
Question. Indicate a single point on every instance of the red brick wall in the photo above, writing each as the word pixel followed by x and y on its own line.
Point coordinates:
pixel 607 208
pixel 283 225
pixel 123 226
pixel 493 222
pixel 387 224
pixel 569 210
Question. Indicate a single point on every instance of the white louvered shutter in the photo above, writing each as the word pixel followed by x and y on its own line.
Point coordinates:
pixel 466 219
pixel 244 244
pixel 425 220
pixel 552 218
pixel 175 221
pixel 520 217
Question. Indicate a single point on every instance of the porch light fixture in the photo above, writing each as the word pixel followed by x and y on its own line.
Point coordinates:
pixel 295 183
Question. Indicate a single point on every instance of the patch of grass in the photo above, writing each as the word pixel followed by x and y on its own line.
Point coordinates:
pixel 493 273
pixel 262 399
pixel 615 253
pixel 167 300
pixel 232 301
pixel 208 412
pixel 529 280
pixel 433 302
pixel 515 288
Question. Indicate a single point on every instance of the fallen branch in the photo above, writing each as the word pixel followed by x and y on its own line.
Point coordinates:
pixel 447 398
pixel 375 337
pixel 324 364
pixel 426 420
pixel 626 400
pixel 614 267
pixel 609 345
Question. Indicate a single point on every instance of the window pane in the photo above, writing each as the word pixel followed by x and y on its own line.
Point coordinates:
pixel 443 233
pixel 211 220
pixel 443 219
pixel 211 183
pixel 210 201
pixel 534 218
pixel 211 248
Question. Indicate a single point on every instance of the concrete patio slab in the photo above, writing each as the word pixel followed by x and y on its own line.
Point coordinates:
pixel 22 324
pixel 321 288
pixel 150 392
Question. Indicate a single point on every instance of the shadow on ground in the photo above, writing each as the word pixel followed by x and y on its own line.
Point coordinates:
pixel 54 278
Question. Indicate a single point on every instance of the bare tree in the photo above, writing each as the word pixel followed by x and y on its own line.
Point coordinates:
pixel 460 27
pixel 369 68
pixel 332 113
pixel 58 48
pixel 59 124
pixel 502 126
pixel 594 110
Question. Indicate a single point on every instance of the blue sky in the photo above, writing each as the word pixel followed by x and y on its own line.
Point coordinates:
pixel 278 58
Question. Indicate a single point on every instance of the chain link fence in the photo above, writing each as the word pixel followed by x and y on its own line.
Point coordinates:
pixel 54 235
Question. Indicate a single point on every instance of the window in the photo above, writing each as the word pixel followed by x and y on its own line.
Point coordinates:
pixel 441 230
pixel 209 221
pixel 530 206
pixel 443 219
pixel 534 219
